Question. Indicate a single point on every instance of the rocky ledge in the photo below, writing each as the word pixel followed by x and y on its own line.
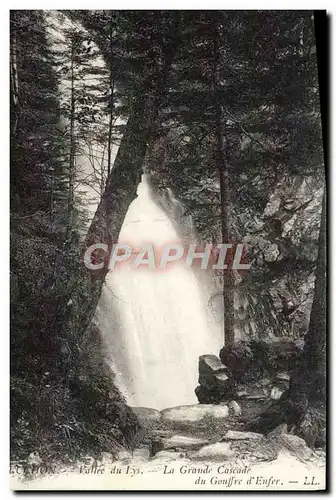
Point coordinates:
pixel 255 370
pixel 210 433
pixel 252 379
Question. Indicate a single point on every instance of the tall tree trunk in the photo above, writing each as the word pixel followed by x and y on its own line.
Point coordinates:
pixel 72 154
pixel 111 88
pixel 14 79
pixel 222 167
pixel 313 367
pixel 122 183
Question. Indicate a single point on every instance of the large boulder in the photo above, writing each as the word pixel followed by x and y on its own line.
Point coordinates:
pixel 141 454
pixel 193 414
pixel 213 375
pixel 206 397
pixel 146 414
pixel 239 359
pixel 168 456
pixel 296 446
pixel 216 452
pixel 209 363
pixel 124 455
pixel 215 379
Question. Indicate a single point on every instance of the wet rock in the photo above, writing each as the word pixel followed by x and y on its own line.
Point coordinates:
pixel 141 454
pixel 276 393
pixel 279 430
pixel 216 451
pixel 124 455
pixel 281 381
pixel 312 427
pixel 234 409
pixel 239 359
pixel 220 382
pixel 168 456
pixel 213 375
pixel 205 396
pixel 256 390
pixel 107 457
pixel 241 394
pixel 271 253
pixel 296 445
pixel 239 435
pixel 267 447
pixel 265 451
pixel 272 206
pixel 179 441
pixel 264 382
pixel 209 363
pixel 256 394
pixel 282 377
pixel 192 414
pixel 145 414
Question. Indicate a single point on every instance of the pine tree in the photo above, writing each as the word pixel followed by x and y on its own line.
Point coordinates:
pixel 223 172
pixel 270 139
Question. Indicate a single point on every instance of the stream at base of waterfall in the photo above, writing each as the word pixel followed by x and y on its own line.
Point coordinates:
pixel 156 324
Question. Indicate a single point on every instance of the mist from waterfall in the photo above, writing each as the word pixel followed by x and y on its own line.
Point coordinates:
pixel 155 323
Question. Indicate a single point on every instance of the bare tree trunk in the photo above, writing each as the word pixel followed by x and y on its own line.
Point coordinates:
pixel 222 167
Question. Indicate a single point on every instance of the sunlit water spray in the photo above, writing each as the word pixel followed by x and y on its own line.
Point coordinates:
pixel 155 323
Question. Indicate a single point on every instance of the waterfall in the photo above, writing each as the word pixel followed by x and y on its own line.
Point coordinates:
pixel 155 323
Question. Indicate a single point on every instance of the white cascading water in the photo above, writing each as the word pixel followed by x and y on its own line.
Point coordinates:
pixel 155 323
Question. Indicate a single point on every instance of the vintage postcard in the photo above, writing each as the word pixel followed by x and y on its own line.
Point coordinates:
pixel 168 250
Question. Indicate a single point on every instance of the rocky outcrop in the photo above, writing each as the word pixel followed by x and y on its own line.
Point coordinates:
pixel 248 370
pixel 256 371
pixel 141 454
pixel 193 414
pixel 168 456
pixel 146 414
pixel 279 232
pixel 212 373
pixel 265 357
pixel 240 435
pixel 240 361
pixel 205 396
pixel 296 445
pixel 216 451
pixel 211 434
pixel 215 380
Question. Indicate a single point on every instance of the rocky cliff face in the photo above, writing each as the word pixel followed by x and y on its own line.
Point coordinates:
pixel 282 249
pixel 274 298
